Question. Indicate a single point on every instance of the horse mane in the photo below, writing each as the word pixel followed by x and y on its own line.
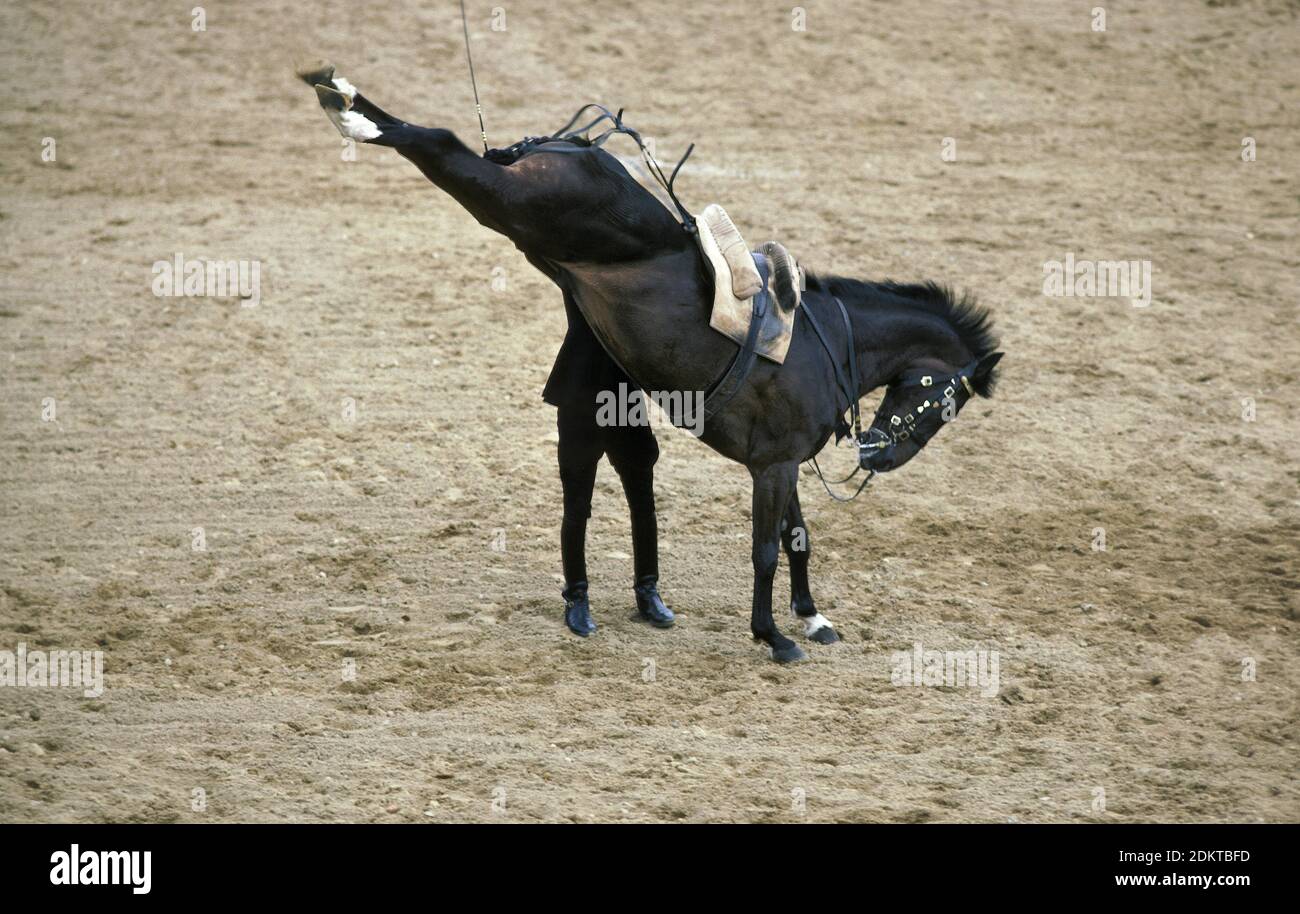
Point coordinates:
pixel 972 322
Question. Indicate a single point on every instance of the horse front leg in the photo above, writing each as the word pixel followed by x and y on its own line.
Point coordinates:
pixel 773 487
pixel 798 549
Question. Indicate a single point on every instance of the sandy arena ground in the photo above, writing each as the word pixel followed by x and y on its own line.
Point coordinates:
pixel 333 543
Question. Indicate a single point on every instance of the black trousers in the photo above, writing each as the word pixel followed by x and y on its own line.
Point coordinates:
pixel 632 451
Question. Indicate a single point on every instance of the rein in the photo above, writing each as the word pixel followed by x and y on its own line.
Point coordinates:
pixel 482 131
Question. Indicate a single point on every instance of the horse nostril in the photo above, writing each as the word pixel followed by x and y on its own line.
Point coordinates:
pixel 881 461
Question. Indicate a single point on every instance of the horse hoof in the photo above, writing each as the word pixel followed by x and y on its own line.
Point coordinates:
pixel 824 635
pixel 337 96
pixel 332 99
pixel 818 628
pixel 315 73
pixel 791 654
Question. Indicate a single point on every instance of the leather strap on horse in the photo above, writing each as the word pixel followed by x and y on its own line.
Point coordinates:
pixel 727 386
pixel 723 390
pixel 850 390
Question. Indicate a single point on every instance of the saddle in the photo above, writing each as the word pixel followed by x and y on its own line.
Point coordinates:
pixel 737 279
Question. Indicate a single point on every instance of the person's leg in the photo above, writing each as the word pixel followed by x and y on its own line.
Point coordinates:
pixel 579 454
pixel 633 451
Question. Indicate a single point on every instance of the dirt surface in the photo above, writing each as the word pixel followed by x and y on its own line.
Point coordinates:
pixel 334 543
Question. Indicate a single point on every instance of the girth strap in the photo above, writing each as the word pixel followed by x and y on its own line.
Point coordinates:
pixel 849 388
pixel 727 386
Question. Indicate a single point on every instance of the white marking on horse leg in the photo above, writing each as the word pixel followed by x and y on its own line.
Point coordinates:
pixel 352 124
pixel 345 87
pixel 814 623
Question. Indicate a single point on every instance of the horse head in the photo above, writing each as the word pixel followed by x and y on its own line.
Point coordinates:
pixel 931 351
pixel 919 403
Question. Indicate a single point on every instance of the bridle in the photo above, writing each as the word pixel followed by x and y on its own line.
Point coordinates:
pixel 908 427
pixel 911 426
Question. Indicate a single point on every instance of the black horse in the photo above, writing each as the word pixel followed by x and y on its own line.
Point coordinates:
pixel 643 287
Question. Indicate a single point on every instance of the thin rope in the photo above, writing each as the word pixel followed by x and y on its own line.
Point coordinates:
pixel 482 131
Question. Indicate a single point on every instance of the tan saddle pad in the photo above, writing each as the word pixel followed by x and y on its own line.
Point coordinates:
pixel 736 280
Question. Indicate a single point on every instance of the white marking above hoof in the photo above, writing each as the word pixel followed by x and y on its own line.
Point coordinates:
pixel 345 87
pixel 337 102
pixel 815 623
pixel 354 126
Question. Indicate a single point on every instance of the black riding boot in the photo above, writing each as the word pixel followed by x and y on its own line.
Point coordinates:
pixel 577 611
pixel 650 605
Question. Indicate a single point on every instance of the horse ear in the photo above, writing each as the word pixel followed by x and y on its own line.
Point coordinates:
pixel 982 377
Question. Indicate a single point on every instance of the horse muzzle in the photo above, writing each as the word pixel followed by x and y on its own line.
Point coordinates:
pixel 880 461
pixel 876 451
